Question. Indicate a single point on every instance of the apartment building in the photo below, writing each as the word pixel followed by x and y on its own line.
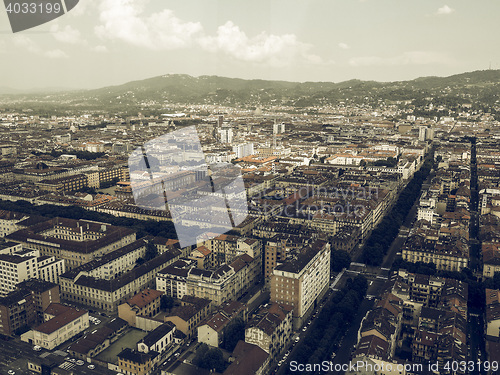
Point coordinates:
pixel 109 294
pixel 383 322
pixel 226 247
pixel 250 359
pixel 23 265
pixel 113 264
pixel 9 220
pixel 448 253
pixel 227 282
pixel 75 241
pixel 64 184
pixel 17 312
pixel 145 303
pixel 43 294
pixel 492 314
pixel 204 257
pixel 212 331
pixel 302 280
pixel 271 329
pixel 173 279
pixel 189 315
pixel 63 323
pixel 133 362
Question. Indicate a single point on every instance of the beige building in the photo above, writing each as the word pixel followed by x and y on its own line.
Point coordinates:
pixel 302 280
pixel 271 329
pixel 145 303
pixel 213 331
pixel 109 294
pixel 493 314
pixel 23 265
pixel 491 258
pixel 8 222
pixel 227 282
pixel 62 323
pixel 133 362
pixel 75 241
pixel 189 315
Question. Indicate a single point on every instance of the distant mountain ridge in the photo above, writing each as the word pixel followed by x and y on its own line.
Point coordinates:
pixel 479 86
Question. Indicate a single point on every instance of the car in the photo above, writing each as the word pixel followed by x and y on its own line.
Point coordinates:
pixel 80 362
pixel 72 360
pixel 91 367
pixel 97 321
pixel 37 348
pixel 177 354
pixel 297 339
pixel 11 372
pixel 304 329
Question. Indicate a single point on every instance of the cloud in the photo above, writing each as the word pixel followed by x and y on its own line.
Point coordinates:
pixel 100 49
pixel 276 50
pixel 343 46
pixel 28 44
pixel 66 34
pixel 445 9
pixel 407 58
pixel 123 20
pixel 126 21
pixel 56 54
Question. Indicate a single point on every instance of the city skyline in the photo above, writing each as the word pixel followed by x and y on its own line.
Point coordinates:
pixel 110 42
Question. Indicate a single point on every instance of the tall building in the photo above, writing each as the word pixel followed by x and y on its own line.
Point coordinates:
pixel 425 133
pixel 25 265
pixel 302 280
pixel 226 135
pixel 244 149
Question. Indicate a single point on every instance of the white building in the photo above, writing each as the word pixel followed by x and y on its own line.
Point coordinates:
pixel 62 324
pixel 158 340
pixel 22 265
pixel 271 329
pixel 226 135
pixel 8 222
pixel 243 149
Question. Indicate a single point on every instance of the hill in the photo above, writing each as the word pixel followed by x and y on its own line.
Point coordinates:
pixel 157 93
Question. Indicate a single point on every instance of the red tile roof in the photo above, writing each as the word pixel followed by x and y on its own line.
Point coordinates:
pixel 144 298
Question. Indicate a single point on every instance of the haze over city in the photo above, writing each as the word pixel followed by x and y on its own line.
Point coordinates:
pixel 109 42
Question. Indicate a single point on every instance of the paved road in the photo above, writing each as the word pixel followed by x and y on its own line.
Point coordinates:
pixel 344 353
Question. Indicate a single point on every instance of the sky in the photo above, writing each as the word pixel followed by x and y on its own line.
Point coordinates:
pixel 109 42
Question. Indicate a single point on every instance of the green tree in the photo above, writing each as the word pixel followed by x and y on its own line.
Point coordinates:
pixel 166 302
pixel 234 332
pixel 151 251
pixel 214 360
pixel 340 259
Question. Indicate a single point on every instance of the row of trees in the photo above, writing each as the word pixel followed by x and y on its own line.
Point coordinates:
pixel 332 323
pixel 339 259
pixel 384 234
